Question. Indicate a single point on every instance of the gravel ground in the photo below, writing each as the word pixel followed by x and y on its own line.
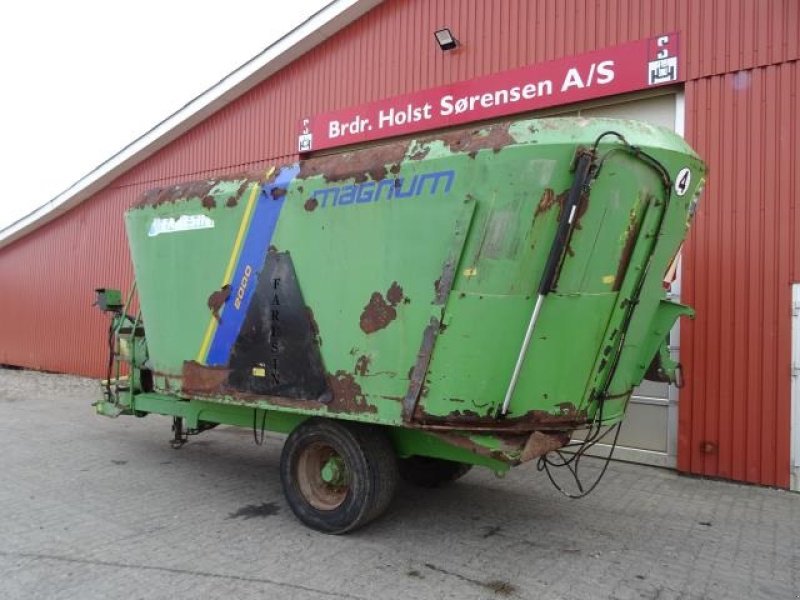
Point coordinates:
pixel 102 508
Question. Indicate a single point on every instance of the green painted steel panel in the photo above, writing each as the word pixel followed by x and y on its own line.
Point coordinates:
pixel 418 265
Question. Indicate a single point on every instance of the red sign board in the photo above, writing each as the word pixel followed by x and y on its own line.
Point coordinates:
pixel 616 70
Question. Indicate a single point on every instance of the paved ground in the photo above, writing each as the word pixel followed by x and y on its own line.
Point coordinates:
pixel 100 508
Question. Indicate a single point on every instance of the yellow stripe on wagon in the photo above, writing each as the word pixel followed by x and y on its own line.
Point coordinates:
pixel 244 226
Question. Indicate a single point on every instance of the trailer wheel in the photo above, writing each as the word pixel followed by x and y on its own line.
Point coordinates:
pixel 428 472
pixel 338 476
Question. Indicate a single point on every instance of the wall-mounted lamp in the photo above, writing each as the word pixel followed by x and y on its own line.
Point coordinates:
pixel 445 39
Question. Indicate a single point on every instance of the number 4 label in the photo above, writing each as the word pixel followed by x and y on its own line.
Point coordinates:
pixel 682 181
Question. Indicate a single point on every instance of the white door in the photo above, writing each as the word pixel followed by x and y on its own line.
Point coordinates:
pixel 795 458
pixel 650 431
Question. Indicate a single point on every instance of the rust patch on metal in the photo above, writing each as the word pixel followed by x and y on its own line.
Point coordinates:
pixel 510 444
pixel 567 419
pixel 540 443
pixel 377 162
pixel 631 235
pixel 416 387
pixel 347 395
pixel 278 193
pixel 420 369
pixel 217 300
pixel 494 137
pixel 395 398
pixel 232 201
pixel 546 202
pixel 250 398
pixel 420 154
pixel 344 394
pixel 464 442
pixel 311 204
pixel 242 188
pixel 358 166
pixel 197 189
pixel 561 199
pixel 377 314
pixel 467 414
pixel 549 200
pixel 444 284
pixel 395 294
pixel 200 379
pixel 194 189
pixel 362 365
pixel 581 208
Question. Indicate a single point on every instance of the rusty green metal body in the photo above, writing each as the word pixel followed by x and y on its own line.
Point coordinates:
pixel 395 285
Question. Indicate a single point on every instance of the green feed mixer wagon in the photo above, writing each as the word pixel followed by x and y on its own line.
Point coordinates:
pixel 484 296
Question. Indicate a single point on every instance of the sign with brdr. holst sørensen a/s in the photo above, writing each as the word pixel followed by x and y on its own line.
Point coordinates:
pixel 616 70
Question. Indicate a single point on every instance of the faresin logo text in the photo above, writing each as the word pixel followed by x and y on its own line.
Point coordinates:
pixel 385 189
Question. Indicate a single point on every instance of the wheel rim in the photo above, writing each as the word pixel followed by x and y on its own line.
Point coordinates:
pixel 322 476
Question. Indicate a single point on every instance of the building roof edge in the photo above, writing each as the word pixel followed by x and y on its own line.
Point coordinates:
pixel 323 24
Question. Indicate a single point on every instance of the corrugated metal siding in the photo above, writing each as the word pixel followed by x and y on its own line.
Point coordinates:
pixel 741 260
pixel 390 51
pixel 47 282
pixel 743 248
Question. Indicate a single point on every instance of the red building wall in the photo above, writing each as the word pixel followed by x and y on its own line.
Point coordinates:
pixel 740 60
pixel 743 255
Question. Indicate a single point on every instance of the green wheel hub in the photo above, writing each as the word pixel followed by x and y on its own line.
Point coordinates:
pixel 322 476
pixel 334 471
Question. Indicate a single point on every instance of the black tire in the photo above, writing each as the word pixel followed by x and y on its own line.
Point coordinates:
pixel 428 472
pixel 362 484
